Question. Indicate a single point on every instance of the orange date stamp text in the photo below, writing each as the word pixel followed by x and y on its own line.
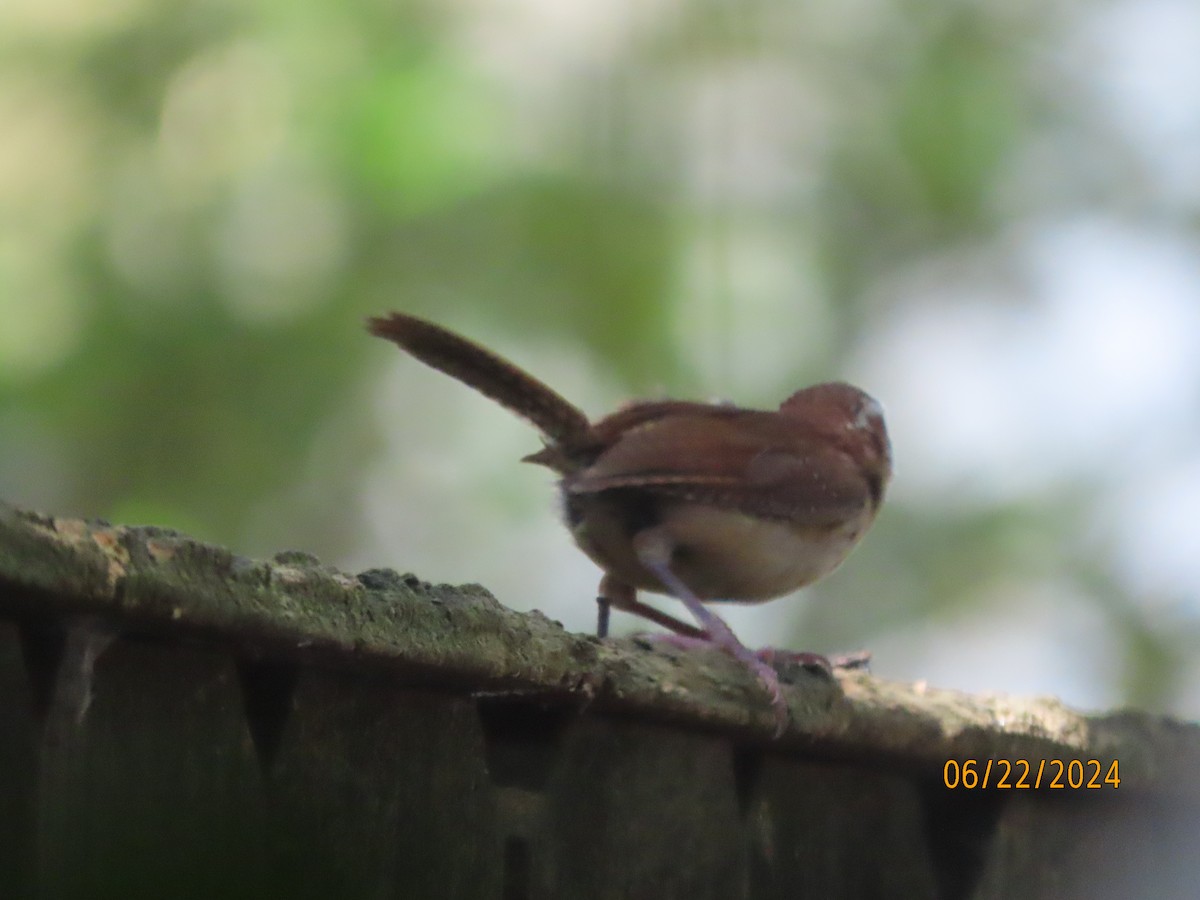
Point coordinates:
pixel 1031 774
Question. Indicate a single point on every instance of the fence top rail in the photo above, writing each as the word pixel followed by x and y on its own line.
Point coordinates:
pixel 161 584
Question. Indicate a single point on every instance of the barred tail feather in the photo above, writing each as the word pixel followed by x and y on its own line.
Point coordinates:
pixel 484 371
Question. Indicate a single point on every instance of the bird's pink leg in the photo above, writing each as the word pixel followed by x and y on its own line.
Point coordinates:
pixel 654 552
pixel 615 593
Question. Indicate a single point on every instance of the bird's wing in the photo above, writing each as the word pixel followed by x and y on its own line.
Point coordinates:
pixel 738 459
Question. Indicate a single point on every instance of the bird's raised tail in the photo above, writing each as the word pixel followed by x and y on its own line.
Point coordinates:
pixel 484 371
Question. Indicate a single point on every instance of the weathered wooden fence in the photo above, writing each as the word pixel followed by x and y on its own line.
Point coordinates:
pixel 177 721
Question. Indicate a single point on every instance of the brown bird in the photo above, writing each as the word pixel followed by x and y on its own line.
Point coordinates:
pixel 701 501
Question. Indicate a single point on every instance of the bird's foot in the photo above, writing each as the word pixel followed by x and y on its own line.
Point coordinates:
pixel 761 668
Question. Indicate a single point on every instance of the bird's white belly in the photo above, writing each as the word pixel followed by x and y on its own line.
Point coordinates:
pixel 723 554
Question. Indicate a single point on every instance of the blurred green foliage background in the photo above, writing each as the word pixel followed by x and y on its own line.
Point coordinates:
pixel 200 201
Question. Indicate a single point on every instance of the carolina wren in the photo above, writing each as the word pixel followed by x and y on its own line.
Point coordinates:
pixel 701 501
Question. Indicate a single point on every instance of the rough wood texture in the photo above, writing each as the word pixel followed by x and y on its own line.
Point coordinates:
pixel 179 721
